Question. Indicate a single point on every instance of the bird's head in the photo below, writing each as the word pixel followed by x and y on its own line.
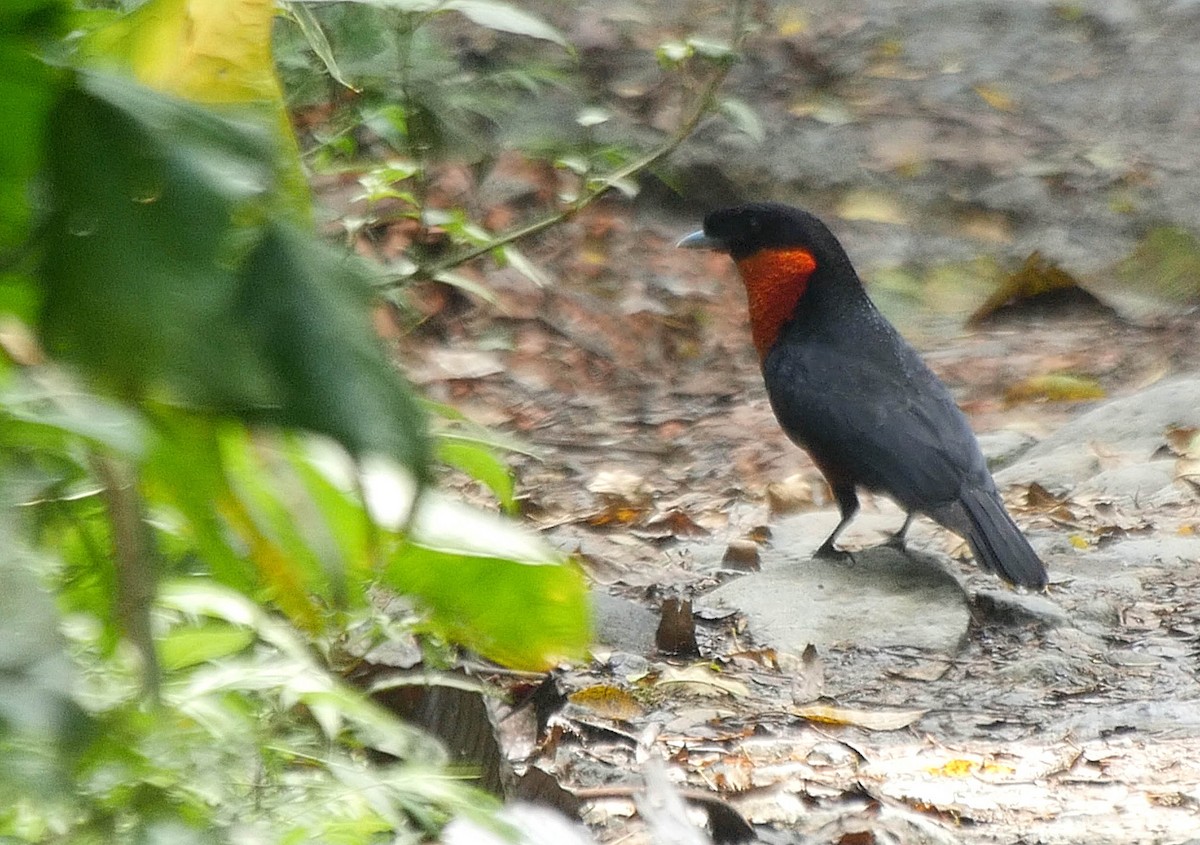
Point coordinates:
pixel 777 249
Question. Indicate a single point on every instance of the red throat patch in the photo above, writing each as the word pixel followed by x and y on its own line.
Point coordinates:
pixel 775 281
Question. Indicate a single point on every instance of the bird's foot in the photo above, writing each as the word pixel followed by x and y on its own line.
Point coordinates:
pixel 828 551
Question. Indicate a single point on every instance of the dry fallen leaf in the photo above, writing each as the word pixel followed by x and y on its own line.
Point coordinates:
pixel 1054 388
pixel 1184 441
pixel 19 343
pixel 871 720
pixel 669 524
pixel 1188 469
pixel 676 634
pixel 1040 500
pixel 458 365
pixel 858 837
pixel 995 97
pixel 961 768
pixel 699 678
pixel 809 682
pixel 793 494
pixel 607 701
pixel 874 206
pixel 615 515
pixel 926 670
pixel 742 554
pixel 1038 284
pixel 620 486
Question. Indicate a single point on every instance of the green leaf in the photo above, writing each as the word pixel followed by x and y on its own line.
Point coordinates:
pixel 36 676
pixel 466 285
pixel 291 670
pixel 282 529
pixel 349 526
pixel 193 645
pixel 198 597
pixel 673 53
pixel 27 90
pixel 306 307
pixel 186 487
pixel 45 400
pixel 505 18
pixel 593 116
pixel 156 289
pixel 713 50
pixel 454 423
pixel 489 583
pixel 407 6
pixel 492 586
pixel 479 462
pixel 142 189
pixel 519 262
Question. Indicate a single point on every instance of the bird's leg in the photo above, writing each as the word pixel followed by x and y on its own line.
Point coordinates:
pixel 896 541
pixel 847 501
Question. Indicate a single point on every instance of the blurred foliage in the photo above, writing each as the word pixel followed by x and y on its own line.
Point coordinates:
pixel 407 88
pixel 209 463
pixel 408 100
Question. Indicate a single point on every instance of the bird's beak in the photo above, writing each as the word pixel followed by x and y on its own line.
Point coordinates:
pixel 699 240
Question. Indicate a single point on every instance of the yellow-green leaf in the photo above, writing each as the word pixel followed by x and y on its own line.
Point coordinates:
pixel 1054 388
pixel 193 645
pixel 216 52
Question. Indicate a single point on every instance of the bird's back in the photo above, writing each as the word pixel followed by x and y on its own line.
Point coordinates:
pixel 849 389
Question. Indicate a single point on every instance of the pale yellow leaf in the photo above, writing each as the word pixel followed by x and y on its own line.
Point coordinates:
pixel 702 680
pixel 995 97
pixel 872 720
pixel 873 206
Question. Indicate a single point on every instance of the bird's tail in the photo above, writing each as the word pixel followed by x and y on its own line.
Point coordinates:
pixel 997 542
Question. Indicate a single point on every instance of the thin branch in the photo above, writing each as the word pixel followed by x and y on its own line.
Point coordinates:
pixel 133 560
pixel 704 105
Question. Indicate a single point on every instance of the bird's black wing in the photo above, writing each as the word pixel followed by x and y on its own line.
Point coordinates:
pixel 888 425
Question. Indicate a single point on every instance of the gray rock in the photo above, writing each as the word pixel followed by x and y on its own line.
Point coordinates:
pixel 1058 471
pixel 1153 716
pixel 1067 461
pixel 1050 669
pixel 622 624
pixel 1080 645
pixel 1130 483
pixel 1167 550
pixel 1003 447
pixel 1133 420
pixel 878 597
pixel 1004 607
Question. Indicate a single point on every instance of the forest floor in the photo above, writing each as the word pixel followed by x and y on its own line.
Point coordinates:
pixel 653 452
pixel 903 698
